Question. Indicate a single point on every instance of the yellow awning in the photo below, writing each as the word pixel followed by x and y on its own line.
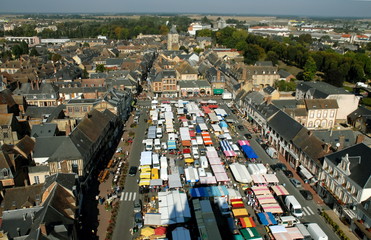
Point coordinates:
pixel 189 160
pixel 240 212
pixel 145 175
pixel 144 182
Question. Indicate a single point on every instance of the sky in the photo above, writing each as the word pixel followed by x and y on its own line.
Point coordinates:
pixel 330 8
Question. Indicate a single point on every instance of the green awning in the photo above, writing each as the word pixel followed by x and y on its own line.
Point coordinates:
pixel 218 91
pixel 133 103
pixel 250 233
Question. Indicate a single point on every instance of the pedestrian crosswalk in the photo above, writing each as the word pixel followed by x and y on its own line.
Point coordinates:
pixel 307 211
pixel 128 196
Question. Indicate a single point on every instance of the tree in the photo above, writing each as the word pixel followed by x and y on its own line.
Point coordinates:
pixel 56 57
pixel 24 47
pixel 310 69
pixel 334 77
pixel 182 48
pixel 272 56
pixel 16 51
pixel 100 68
pixel 164 30
pixel 86 44
pixel 204 33
pixel 34 52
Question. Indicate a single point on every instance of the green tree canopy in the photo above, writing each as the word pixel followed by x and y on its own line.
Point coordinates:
pixel 310 69
pixel 100 68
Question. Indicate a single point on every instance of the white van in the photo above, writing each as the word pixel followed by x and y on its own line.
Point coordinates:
pixel 194 143
pixel 316 232
pixel 288 221
pixel 204 162
pixel 159 132
pixel 293 206
pixel 149 144
pixel 157 144
pixel 155 161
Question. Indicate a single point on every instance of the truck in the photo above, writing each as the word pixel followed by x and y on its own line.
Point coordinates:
pixel 316 232
pixel 303 230
pixel 155 161
pixel 226 95
pixel 293 206
pixel 157 144
pixel 148 144
pixel 271 152
pixel 159 132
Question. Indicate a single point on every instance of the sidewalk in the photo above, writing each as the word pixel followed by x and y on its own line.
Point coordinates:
pixel 306 186
pixel 341 225
pixel 105 187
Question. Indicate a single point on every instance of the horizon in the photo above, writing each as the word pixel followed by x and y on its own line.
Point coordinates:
pixel 294 8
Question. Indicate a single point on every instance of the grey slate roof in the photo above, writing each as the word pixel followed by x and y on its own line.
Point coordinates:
pixel 360 163
pixel 46 146
pixel 283 73
pixel 286 103
pixel 38 169
pixel 320 89
pixel 286 127
pixel 332 137
pixel 194 84
pixel 44 130
pixel 67 180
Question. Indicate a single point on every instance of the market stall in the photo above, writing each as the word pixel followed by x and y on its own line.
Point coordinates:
pixel 280 190
pixel 267 218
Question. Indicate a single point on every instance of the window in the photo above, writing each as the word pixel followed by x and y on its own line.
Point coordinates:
pixel 311 114
pixel 332 113
pixel 36 179
pixel 85 109
pixel 319 114
pixel 324 113
pixel 5 135
pixel 310 124
pixel 77 109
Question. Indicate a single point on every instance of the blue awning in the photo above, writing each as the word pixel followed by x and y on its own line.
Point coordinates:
pixel 267 218
pixel 213 191
pixel 249 151
pixel 171 145
pixel 198 129
pixel 223 124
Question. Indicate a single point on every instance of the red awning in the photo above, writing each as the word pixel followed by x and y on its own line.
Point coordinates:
pixel 186 150
pixel 192 133
pixel 213 106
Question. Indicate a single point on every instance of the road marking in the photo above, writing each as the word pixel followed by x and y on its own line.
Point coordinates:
pixel 122 197
pixel 126 196
pixel 130 196
pixel 310 210
pixel 134 196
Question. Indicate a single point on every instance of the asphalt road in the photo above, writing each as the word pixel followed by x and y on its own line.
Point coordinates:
pixel 125 220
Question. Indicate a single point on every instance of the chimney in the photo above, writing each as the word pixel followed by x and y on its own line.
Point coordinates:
pixel 67 128
pixel 360 138
pixel 326 147
pixel 218 75
pixel 37 85
pixel 96 94
pixel 31 83
pixel 43 229
pixel 244 74
pixel 341 142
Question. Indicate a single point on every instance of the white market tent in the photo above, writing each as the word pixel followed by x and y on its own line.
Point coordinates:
pixel 173 207
pixel 174 181
pixel 146 158
pixel 220 112
pixel 262 168
pixel 271 178
pixel 184 134
pixel 216 127
pixel 240 173
pixel 213 117
pixel 253 169
pixel 191 174
pixel 203 127
pixel 152 219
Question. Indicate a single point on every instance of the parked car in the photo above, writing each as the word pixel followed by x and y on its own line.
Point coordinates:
pixel 138 220
pixel 265 146
pixel 240 127
pixel 248 136
pixel 306 194
pixel 278 166
pixel 203 152
pixel 295 182
pixel 288 173
pixel 196 163
pixel 133 171
pixel 137 205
